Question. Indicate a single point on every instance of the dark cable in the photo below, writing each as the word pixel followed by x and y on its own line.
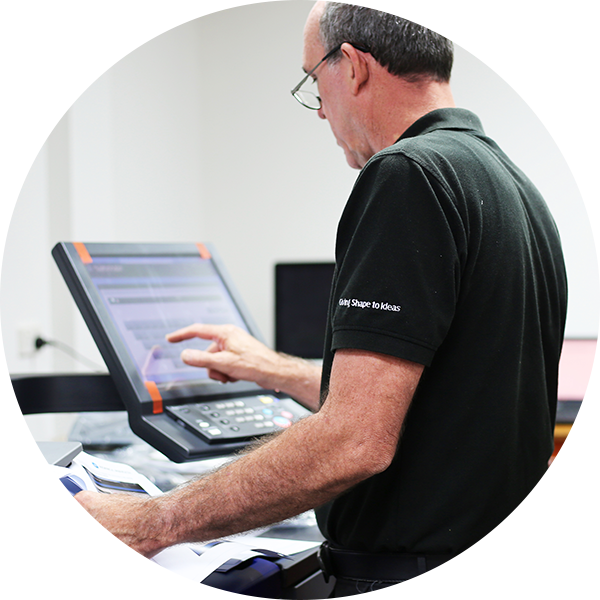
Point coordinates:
pixel 40 342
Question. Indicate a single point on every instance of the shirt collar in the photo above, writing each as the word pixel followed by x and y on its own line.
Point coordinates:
pixel 444 118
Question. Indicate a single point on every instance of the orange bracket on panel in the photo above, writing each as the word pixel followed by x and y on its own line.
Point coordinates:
pixel 204 253
pixel 157 401
pixel 84 255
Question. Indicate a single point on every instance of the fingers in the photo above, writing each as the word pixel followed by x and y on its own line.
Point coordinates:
pixel 211 358
pixel 233 355
pixel 199 330
pixel 216 363
pixel 200 358
pixel 218 376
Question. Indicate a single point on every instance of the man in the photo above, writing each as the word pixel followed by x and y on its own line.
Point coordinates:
pixel 435 405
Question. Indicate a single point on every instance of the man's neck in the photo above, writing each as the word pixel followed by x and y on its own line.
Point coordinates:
pixel 397 106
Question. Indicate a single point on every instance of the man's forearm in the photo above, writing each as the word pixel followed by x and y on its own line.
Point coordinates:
pixel 301 468
pixel 352 437
pixel 301 379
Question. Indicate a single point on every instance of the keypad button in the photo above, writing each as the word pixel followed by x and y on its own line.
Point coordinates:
pixel 266 399
pixel 224 419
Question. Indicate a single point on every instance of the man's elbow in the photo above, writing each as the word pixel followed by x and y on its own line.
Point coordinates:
pixel 372 457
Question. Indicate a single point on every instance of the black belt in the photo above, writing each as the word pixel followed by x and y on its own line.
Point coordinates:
pixel 428 569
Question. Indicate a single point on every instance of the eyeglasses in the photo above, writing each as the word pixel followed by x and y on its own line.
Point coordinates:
pixel 310 99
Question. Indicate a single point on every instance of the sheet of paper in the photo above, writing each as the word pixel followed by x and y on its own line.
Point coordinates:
pixel 280 545
pixel 193 561
pixel 185 562
pixel 89 467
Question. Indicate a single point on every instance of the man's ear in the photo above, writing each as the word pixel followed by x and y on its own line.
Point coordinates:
pixel 358 66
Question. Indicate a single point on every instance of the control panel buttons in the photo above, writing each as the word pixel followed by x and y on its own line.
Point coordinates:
pixel 281 421
pixel 223 421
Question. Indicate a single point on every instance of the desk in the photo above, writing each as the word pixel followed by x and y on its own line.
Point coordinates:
pixel 572 447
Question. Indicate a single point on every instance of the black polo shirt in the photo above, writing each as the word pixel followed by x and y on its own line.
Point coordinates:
pixel 448 256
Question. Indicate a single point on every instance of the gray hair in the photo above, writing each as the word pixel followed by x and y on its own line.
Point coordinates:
pixel 406 49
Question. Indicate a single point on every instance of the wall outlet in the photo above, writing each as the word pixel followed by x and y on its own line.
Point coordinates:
pixel 27 333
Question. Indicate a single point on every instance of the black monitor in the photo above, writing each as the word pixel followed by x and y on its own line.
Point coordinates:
pixel 131 296
pixel 301 300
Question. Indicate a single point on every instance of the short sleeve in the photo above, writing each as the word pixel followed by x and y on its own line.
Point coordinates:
pixel 399 248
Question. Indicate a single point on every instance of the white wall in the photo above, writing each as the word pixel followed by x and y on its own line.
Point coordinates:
pixel 525 68
pixel 194 136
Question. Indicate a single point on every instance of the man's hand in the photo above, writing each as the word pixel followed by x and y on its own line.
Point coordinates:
pixel 137 521
pixel 354 436
pixel 235 355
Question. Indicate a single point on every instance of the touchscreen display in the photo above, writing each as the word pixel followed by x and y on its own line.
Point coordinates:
pixel 131 295
pixel 150 296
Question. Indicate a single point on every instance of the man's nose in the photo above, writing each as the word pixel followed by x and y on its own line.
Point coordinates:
pixel 321 113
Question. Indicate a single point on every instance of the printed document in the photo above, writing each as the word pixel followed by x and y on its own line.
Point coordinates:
pixel 193 561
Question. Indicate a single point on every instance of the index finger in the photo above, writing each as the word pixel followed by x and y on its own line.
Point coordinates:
pixel 199 330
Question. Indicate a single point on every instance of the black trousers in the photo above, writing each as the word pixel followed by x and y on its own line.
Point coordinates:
pixel 543 577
